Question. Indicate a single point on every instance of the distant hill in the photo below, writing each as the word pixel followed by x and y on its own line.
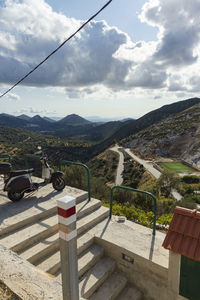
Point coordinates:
pixel 73 119
pixel 11 121
pixel 39 121
pixel 72 126
pixel 24 117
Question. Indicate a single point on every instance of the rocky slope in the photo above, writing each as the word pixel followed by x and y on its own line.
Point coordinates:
pixel 177 136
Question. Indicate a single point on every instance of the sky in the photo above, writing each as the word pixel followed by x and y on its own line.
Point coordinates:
pixel 134 57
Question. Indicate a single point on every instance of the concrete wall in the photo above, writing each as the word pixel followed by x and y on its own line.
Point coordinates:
pixel 149 277
pixel 25 280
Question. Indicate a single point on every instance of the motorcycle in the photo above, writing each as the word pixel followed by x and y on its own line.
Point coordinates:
pixel 19 182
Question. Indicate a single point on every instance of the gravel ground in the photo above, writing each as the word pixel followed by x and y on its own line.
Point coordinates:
pixel 6 294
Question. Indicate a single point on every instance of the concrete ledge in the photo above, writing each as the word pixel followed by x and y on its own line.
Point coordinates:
pixel 25 280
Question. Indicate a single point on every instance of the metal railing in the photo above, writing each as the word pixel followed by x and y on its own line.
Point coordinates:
pixel 62 162
pixel 26 156
pixel 138 191
pixel 6 156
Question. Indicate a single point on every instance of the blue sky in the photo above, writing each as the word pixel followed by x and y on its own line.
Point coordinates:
pixel 134 57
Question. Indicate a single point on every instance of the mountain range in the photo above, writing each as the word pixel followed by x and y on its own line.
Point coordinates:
pixel 171 131
pixel 67 127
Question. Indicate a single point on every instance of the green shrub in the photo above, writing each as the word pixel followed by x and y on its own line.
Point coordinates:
pixel 191 179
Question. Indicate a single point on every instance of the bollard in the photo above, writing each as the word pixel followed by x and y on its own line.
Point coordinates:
pixel 68 247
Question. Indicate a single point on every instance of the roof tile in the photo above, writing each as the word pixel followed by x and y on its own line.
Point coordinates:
pixel 183 236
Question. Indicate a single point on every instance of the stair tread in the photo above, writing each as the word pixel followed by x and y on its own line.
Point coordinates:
pixel 93 278
pixel 111 287
pixel 130 293
pixel 33 229
pixel 88 258
pixel 28 232
pixel 90 255
pixel 90 220
pixel 41 246
pixel 14 214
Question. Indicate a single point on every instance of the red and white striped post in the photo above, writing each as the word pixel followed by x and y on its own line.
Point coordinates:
pixel 68 247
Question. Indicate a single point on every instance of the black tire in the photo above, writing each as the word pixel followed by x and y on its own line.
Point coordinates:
pixel 58 183
pixel 13 196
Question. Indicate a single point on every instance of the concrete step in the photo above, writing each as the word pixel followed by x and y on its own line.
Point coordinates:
pixel 50 245
pixel 32 233
pixel 86 259
pixel 130 293
pixel 42 249
pixel 111 288
pixel 15 215
pixel 94 278
pixel 97 216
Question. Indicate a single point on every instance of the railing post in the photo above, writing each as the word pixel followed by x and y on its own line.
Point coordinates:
pixel 68 247
pixel 81 165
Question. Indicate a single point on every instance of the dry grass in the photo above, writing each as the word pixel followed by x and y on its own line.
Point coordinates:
pixel 6 293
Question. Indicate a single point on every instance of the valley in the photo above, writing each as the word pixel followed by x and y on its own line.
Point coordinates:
pixel 170 133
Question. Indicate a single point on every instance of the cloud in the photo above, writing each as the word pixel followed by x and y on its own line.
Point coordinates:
pixel 12 96
pixel 30 30
pixel 101 59
pixel 32 111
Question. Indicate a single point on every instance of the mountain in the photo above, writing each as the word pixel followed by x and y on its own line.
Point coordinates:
pixel 103 131
pixel 73 119
pixel 49 119
pixel 39 121
pixel 11 121
pixel 176 136
pixel 24 117
pixel 153 117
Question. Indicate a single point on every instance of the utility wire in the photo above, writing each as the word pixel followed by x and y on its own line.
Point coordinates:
pixel 53 52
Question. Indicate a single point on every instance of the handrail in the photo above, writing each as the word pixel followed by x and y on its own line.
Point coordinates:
pixel 30 155
pixel 81 165
pixel 6 156
pixel 138 191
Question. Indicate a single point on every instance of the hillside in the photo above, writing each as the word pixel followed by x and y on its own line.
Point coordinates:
pixel 153 117
pixel 176 136
pixel 17 142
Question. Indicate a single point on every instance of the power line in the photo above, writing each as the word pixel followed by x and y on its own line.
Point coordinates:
pixel 53 52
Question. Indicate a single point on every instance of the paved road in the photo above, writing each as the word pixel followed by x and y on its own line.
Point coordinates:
pixel 120 168
pixel 149 167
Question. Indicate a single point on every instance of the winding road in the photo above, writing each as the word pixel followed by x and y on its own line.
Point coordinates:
pixel 120 168
pixel 147 165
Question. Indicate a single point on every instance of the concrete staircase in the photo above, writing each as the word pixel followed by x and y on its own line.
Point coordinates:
pixel 35 238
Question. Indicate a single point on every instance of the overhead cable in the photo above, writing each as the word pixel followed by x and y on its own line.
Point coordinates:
pixel 53 52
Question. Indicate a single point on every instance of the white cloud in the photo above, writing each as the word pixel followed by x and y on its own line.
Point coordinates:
pixel 33 111
pixel 12 96
pixel 101 60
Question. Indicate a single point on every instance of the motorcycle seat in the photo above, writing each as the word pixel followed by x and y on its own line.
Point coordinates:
pixel 21 172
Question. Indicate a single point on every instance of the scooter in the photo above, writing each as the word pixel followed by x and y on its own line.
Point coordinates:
pixel 16 183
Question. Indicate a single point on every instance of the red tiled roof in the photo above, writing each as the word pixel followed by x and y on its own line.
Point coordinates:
pixel 183 236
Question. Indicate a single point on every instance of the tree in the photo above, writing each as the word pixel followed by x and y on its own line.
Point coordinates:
pixel 167 181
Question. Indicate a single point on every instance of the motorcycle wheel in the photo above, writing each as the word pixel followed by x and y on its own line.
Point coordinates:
pixel 58 183
pixel 13 196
